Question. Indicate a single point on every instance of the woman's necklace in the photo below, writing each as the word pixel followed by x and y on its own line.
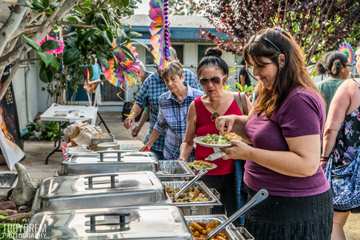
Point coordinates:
pixel 214 115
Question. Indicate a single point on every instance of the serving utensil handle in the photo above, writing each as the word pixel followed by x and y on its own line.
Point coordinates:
pixel 190 183
pixel 260 196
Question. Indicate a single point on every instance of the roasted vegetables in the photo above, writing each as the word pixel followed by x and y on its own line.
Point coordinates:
pixel 215 139
pixel 193 194
pixel 200 230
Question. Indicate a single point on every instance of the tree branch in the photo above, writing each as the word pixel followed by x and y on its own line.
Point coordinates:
pixel 15 55
pixel 57 15
pixel 5 85
pixel 76 25
pixel 11 25
pixel 319 35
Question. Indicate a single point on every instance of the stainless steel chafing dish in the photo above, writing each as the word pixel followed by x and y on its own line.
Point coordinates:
pixel 147 222
pixel 169 170
pixel 233 233
pixel 194 208
pixel 109 162
pixel 118 161
pixel 99 190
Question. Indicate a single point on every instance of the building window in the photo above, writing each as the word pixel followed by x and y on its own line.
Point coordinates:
pixel 148 57
pixel 109 93
pixel 202 49
pixel 179 52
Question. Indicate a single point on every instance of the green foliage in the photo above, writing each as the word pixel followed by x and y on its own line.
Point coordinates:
pixel 47 6
pixel 49 63
pixel 318 26
pixel 183 7
pixel 244 89
pixel 31 43
pixel 48 131
pixel 49 45
pixel 91 28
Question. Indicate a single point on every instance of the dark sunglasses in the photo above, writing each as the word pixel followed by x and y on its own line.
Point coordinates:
pixel 213 80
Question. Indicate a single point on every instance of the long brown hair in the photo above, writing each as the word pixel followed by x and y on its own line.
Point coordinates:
pixel 270 43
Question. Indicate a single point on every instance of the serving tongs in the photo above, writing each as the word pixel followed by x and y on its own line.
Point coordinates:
pixel 260 196
pixel 190 183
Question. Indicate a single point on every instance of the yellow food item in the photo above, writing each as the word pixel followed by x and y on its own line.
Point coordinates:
pixel 232 136
pixel 200 230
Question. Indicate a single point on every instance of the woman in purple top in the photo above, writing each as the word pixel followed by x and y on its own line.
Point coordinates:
pixel 285 129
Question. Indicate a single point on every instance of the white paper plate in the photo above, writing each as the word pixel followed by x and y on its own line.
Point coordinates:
pixel 198 140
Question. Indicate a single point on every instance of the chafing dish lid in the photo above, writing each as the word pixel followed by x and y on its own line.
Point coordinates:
pixel 125 157
pixel 91 184
pixel 149 222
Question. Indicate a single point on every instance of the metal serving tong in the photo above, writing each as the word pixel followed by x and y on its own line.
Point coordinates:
pixel 190 183
pixel 260 196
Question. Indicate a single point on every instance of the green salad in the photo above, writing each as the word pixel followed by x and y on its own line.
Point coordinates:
pixel 215 139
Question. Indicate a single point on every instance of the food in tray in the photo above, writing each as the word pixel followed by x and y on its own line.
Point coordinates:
pixel 215 139
pixel 200 230
pixel 193 194
pixel 201 165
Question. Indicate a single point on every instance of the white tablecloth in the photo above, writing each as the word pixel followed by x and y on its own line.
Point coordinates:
pixel 69 113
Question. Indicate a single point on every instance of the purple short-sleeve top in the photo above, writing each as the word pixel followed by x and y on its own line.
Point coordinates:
pixel 301 113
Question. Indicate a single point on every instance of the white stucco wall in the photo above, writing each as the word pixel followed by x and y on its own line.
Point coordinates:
pixel 190 55
pixel 30 99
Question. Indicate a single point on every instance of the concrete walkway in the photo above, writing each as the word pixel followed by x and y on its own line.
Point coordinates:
pixel 36 153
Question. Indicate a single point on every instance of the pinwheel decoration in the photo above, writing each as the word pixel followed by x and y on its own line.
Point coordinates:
pixel 347 49
pixel 159 31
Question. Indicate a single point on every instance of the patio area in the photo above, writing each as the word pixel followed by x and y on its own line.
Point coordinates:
pixel 36 153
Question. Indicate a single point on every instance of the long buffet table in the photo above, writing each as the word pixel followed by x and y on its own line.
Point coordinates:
pixel 120 193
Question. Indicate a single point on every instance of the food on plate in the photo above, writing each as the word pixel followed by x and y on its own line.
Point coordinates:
pixel 200 230
pixel 215 139
pixel 201 165
pixel 231 136
pixel 193 194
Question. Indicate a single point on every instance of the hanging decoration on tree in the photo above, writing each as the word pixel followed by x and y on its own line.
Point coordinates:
pixel 49 38
pixel 347 49
pixel 159 31
pixel 123 67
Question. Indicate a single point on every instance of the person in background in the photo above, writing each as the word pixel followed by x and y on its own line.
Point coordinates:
pixel 213 72
pixel 173 108
pixel 143 74
pixel 320 70
pixel 148 96
pixel 341 152
pixel 336 66
pixel 284 127
pixel 243 76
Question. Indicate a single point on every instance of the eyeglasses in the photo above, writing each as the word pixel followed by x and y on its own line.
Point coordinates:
pixel 213 80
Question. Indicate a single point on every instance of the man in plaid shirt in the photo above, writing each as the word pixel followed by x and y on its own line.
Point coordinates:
pixel 148 95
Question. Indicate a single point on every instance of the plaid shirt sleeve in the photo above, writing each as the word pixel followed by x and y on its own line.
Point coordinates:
pixel 160 124
pixel 142 95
